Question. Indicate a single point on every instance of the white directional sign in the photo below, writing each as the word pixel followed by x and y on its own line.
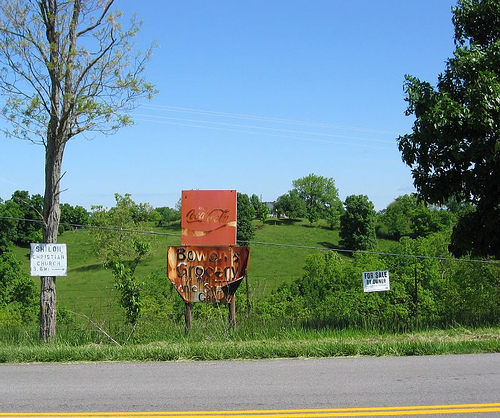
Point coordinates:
pixel 376 281
pixel 48 260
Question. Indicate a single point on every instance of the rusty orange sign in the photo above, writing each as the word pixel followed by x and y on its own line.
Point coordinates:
pixel 208 217
pixel 207 274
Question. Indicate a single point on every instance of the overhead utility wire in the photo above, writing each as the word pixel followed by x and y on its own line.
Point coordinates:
pixel 265 128
pixel 264 118
pixel 305 247
pixel 263 133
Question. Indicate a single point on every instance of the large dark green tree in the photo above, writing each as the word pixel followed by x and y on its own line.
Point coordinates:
pixel 66 68
pixel 246 213
pixel 357 223
pixel 454 149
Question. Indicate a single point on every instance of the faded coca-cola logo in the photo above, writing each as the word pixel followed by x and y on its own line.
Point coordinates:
pixel 215 216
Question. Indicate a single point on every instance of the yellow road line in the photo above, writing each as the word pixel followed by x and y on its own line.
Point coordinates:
pixel 279 413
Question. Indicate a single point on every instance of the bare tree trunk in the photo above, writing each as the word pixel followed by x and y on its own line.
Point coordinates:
pixel 48 309
pixel 51 217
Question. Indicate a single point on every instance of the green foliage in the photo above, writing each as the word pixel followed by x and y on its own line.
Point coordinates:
pixel 73 217
pixel 85 75
pixel 18 298
pixel 454 149
pixel 291 205
pixel 160 301
pixel 321 197
pixel 261 209
pixel 121 249
pixel 330 292
pixel 127 284
pixel 20 220
pixel 407 216
pixel 130 291
pixel 167 215
pixel 114 236
pixel 246 213
pixel 357 223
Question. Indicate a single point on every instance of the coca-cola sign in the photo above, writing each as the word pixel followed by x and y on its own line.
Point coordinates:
pixel 208 217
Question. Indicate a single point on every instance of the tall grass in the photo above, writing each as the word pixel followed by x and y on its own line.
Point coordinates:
pixel 214 340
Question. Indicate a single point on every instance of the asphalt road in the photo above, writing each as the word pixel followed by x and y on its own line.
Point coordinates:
pixel 250 385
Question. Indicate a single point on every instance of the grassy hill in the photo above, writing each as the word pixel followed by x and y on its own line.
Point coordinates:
pixel 278 253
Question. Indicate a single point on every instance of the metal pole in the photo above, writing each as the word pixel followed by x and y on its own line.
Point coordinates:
pixel 415 296
pixel 248 294
pixel 231 303
pixel 187 317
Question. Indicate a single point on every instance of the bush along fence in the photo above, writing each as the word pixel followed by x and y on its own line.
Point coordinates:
pixel 423 292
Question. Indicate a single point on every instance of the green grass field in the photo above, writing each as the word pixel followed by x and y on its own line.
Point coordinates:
pixel 277 255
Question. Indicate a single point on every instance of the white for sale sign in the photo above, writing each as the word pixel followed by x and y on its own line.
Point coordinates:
pixel 48 260
pixel 376 281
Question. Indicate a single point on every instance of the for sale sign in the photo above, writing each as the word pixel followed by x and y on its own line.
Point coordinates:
pixel 376 281
pixel 48 260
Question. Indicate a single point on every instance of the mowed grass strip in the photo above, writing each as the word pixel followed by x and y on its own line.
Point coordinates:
pixel 464 341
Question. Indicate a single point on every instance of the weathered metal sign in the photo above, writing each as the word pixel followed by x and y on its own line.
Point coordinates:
pixel 207 274
pixel 48 260
pixel 208 217
pixel 376 281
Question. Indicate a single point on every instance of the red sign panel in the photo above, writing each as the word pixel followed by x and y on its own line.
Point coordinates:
pixel 207 274
pixel 208 217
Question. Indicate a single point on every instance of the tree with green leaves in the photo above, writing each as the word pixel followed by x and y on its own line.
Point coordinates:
pixel 320 195
pixel 408 216
pixel 167 215
pixel 291 205
pixel 357 223
pixel 67 67
pixel 127 283
pixel 114 233
pixel 73 217
pixel 246 213
pixel 18 295
pixel 121 248
pixel 20 222
pixel 454 147
pixel 261 209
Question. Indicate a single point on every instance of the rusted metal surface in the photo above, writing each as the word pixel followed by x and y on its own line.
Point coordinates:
pixel 207 274
pixel 208 217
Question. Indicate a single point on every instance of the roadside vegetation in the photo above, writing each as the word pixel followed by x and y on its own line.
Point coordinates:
pixel 303 296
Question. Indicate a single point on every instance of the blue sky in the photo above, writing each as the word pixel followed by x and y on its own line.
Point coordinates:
pixel 253 95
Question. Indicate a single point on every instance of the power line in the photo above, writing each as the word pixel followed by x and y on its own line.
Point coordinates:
pixel 261 133
pixel 264 118
pixel 166 119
